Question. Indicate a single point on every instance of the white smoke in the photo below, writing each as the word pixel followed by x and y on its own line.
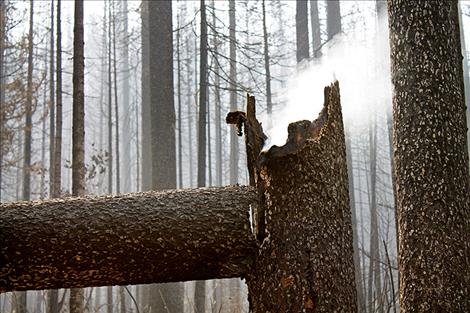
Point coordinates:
pixel 362 68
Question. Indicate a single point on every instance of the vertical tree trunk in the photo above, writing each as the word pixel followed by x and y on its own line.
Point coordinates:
pixel 305 264
pixel 374 282
pixel 166 297
pixel 57 166
pixel 269 104
pixel 180 131
pixel 333 18
pixel 126 127
pixel 316 31
pixel 22 297
pixel 110 106
pixel 78 129
pixel 116 104
pixel 145 112
pixel 234 146
pixel 301 28
pixel 55 153
pixel 352 204
pixel 200 293
pixel 51 103
pixel 431 157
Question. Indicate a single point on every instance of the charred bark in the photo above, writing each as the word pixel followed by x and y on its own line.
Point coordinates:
pixel 305 260
pixel 430 155
pixel 127 239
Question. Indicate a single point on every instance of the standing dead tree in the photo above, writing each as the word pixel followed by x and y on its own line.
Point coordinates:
pixel 300 261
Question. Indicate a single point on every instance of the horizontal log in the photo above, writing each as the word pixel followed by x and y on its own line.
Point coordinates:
pixel 138 238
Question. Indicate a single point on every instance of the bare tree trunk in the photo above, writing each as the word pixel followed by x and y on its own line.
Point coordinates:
pixel 352 203
pixel 267 68
pixel 126 106
pixel 22 297
pixel 316 31
pixel 374 283
pixel 333 16
pixel 51 103
pixel 180 130
pixel 78 132
pixel 431 156
pixel 57 166
pixel 314 215
pixel 110 105
pixel 116 104
pixel 234 146
pixel 145 112
pixel 217 104
pixel 200 294
pixel 301 27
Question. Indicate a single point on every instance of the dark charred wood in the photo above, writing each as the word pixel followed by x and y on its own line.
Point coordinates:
pixel 135 238
pixel 305 259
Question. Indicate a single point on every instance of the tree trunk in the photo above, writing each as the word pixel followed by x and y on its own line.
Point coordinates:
pixel 333 18
pixel 145 112
pixel 51 103
pixel 217 104
pixel 110 106
pixel 301 27
pixel 126 127
pixel 22 297
pixel 267 68
pixel 78 129
pixel 234 146
pixel 162 111
pixel 57 166
pixel 356 249
pixel 431 157
pixel 316 31
pixel 173 235
pixel 116 104
pixel 305 258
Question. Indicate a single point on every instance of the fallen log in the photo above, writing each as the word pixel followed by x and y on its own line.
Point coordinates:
pixel 303 220
pixel 138 238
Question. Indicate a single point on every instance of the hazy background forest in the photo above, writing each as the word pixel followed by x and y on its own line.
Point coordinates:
pixel 282 52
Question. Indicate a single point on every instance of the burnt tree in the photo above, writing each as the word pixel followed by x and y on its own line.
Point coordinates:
pixel 303 221
pixel 302 260
pixel 431 156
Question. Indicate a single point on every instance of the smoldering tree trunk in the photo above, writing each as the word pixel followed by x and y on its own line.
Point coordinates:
pixel 333 18
pixel 316 31
pixel 174 235
pixel 431 157
pixel 78 129
pixel 301 28
pixel 312 271
pixel 234 146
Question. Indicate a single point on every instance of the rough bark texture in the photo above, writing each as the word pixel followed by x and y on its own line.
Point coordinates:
pixel 431 158
pixel 128 239
pixel 234 145
pixel 305 261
